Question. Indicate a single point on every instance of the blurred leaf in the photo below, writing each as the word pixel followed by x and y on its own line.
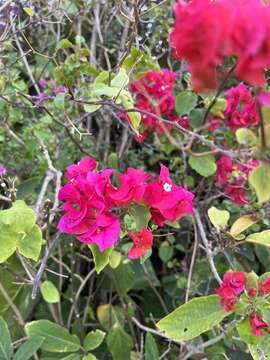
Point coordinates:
pixel 49 292
pixel 29 11
pixel 193 318
pixel 242 224
pixel 151 349
pixel 259 179
pixel 6 349
pixel 28 349
pixel 93 339
pixel 64 44
pixel 109 315
pixel 262 238
pixel 119 343
pixel 246 137
pixel 115 259
pixel 124 278
pixel 165 251
pixel 185 101
pixel 29 245
pixel 219 218
pixel 20 216
pixel 8 242
pixel 59 101
pixel 121 79
pixel 101 258
pixel 203 165
pixel 56 337
pixel 89 357
pixel 141 215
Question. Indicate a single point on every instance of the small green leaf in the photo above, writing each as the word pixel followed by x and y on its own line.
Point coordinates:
pixel 203 165
pixel 219 218
pixel 141 215
pixel 119 343
pixel 165 251
pixel 91 108
pixel 20 217
pixel 93 339
pixel 28 349
pixel 65 44
pixel 6 349
pixel 49 292
pixel 8 242
pixel 246 137
pixel 89 357
pixel 29 11
pixel 121 79
pixel 101 258
pixel 259 179
pixel 245 333
pixel 185 101
pixel 124 278
pixel 151 349
pixel 29 245
pixel 115 259
pixel 56 337
pixel 59 101
pixel 262 238
pixel 193 318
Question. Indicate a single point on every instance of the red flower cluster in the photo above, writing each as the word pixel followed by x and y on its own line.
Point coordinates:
pixel 264 286
pixel 90 200
pixel 257 325
pixel 206 31
pixel 241 111
pixel 234 178
pixel 233 285
pixel 154 94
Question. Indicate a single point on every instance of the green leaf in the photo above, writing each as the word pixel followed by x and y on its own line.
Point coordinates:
pixel 262 238
pixel 28 349
pixel 193 318
pixel 196 117
pixel 91 108
pixel 59 101
pixel 219 218
pixel 29 11
pixel 165 251
pixel 246 137
pixel 121 79
pixel 56 337
pixel 93 339
pixel 245 333
pixel 259 179
pixel 8 242
pixel 151 349
pixel 128 103
pixel 115 259
pixel 20 216
pixel 203 165
pixel 49 292
pixel 6 349
pixel 110 315
pixel 119 343
pixel 89 357
pixel 64 44
pixel 261 351
pixel 185 101
pixel 29 245
pixel 72 357
pixel 124 278
pixel 101 258
pixel 139 62
pixel 141 215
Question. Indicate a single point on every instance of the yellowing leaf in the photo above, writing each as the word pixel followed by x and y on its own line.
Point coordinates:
pixel 259 179
pixel 242 224
pixel 219 218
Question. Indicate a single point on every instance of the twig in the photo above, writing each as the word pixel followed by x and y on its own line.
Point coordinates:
pixel 207 249
pixel 195 247
pixel 43 264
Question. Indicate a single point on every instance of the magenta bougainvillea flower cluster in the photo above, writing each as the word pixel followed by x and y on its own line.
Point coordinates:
pixel 206 31
pixel 92 204
pixel 236 283
pixel 154 94
pixel 232 178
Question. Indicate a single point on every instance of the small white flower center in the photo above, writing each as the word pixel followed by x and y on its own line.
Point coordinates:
pixel 167 187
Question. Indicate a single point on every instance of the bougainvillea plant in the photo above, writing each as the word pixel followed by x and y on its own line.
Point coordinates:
pixel 134 179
